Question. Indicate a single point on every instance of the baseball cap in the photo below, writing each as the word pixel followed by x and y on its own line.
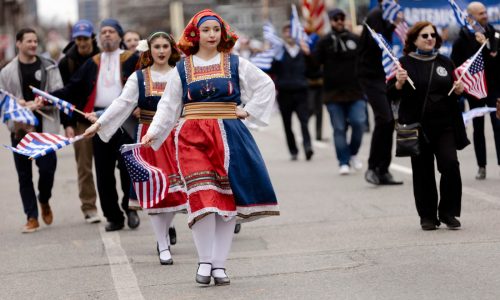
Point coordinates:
pixel 82 28
pixel 335 12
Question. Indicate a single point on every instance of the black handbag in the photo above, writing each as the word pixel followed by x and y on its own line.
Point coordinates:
pixel 409 136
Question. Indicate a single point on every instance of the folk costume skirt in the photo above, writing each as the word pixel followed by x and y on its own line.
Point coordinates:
pixel 164 159
pixel 221 166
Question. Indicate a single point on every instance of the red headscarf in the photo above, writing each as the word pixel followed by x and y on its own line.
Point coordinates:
pixel 191 36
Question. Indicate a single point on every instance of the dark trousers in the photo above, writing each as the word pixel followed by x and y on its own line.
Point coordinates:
pixel 107 157
pixel 295 101
pixel 442 146
pixel 315 99
pixel 46 169
pixel 478 125
pixel 382 138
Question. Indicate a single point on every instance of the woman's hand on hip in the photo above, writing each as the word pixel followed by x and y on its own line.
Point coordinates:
pixel 241 113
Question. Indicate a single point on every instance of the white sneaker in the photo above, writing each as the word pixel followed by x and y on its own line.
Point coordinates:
pixel 356 163
pixel 344 170
pixel 92 218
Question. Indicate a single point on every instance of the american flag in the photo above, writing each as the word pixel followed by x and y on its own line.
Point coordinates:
pixel 150 183
pixel 37 144
pixel 464 19
pixel 11 110
pixel 62 105
pixel 401 30
pixel 296 28
pixel 314 12
pixel 473 79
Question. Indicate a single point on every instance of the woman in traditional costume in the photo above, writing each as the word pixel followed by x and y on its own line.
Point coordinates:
pixel 144 89
pixel 218 159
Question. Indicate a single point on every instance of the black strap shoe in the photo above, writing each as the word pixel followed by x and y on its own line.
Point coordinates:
pixel 202 279
pixel 221 280
pixel 237 228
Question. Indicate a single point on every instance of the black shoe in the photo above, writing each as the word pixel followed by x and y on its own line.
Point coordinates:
pixel 372 177
pixel 451 222
pixel 201 279
pixel 112 226
pixel 133 219
pixel 172 234
pixel 429 224
pixel 237 228
pixel 309 154
pixel 387 179
pixel 169 261
pixel 221 280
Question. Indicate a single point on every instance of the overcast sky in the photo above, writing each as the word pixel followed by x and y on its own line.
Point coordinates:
pixel 60 11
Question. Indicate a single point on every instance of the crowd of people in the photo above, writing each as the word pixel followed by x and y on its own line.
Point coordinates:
pixel 184 102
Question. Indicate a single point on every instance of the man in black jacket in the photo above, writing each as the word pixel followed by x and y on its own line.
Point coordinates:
pixel 92 88
pixel 292 85
pixel 372 79
pixel 343 96
pixel 464 47
pixel 83 47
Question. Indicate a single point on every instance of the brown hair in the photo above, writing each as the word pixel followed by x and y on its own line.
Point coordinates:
pixel 413 34
pixel 146 59
pixel 223 46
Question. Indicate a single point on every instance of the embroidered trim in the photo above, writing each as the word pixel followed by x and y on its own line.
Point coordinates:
pixel 209 187
pixel 220 70
pixel 227 153
pixel 152 88
pixel 200 214
pixel 210 110
pixel 176 144
pixel 180 209
pixel 206 179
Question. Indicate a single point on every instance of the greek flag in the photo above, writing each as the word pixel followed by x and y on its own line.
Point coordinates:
pixel 11 110
pixel 296 29
pixel 62 105
pixel 390 67
pixel 463 18
pixel 390 9
pixel 263 60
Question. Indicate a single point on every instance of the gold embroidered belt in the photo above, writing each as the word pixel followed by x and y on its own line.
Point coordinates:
pixel 210 110
pixel 146 116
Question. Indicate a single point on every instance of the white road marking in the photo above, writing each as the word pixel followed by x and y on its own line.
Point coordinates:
pixel 124 279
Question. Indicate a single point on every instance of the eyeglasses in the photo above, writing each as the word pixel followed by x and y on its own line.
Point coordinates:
pixel 426 35
pixel 336 19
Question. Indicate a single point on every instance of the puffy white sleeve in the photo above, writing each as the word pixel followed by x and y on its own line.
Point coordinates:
pixel 257 92
pixel 168 111
pixel 120 109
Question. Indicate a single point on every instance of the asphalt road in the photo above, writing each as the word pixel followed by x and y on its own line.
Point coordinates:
pixel 337 238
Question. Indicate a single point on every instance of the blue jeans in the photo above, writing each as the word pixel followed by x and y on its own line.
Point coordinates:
pixel 342 114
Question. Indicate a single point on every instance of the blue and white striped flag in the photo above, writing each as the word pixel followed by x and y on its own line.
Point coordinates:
pixel 464 19
pixel 296 29
pixel 390 67
pixel 38 144
pixel 263 60
pixel 11 110
pixel 61 104
pixel 390 9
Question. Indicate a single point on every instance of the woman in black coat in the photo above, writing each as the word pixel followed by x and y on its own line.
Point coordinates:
pixel 442 132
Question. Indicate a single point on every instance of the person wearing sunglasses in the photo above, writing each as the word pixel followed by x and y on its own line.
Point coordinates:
pixel 466 45
pixel 442 130
pixel 343 96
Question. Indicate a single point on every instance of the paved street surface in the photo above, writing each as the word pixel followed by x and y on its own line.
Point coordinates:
pixel 337 238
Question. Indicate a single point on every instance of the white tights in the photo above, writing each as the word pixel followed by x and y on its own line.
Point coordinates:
pixel 212 237
pixel 161 222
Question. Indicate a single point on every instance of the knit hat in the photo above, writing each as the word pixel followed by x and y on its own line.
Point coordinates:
pixel 113 23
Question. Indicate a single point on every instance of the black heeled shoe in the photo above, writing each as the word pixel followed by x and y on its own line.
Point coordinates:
pixel 237 228
pixel 221 280
pixel 172 234
pixel 201 279
pixel 169 261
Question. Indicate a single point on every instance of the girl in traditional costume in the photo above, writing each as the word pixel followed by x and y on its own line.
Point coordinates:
pixel 218 159
pixel 144 89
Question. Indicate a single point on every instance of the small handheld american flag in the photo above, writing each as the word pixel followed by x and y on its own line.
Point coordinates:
pixel 37 144
pixel 150 183
pixel 472 74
